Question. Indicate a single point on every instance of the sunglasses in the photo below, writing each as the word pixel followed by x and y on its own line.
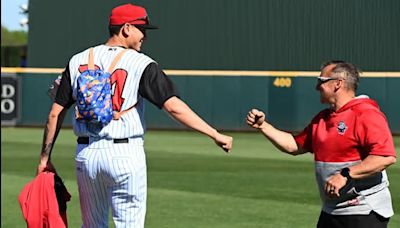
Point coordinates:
pixel 141 29
pixel 326 79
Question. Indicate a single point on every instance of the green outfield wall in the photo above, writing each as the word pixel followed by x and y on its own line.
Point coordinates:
pixel 278 35
pixel 223 98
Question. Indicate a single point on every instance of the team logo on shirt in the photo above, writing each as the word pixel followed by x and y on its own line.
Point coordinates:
pixel 341 127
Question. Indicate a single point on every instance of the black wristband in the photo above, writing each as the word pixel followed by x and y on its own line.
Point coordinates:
pixel 345 172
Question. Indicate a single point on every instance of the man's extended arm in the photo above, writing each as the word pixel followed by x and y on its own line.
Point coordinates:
pixel 284 141
pixel 181 112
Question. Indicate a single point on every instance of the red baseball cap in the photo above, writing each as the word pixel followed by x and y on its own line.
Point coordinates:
pixel 132 14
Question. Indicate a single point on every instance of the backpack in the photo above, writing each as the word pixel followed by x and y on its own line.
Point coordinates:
pixel 93 99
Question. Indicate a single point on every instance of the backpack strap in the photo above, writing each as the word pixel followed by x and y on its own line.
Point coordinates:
pixel 91 59
pixel 116 60
pixel 118 115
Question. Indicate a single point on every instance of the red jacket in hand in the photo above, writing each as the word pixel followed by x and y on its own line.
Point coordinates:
pixel 43 202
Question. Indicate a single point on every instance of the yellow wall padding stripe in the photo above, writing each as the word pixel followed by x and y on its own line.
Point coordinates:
pixel 210 72
pixel 31 70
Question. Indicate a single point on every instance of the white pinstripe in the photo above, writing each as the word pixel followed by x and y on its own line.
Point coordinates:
pixel 112 174
pixel 118 171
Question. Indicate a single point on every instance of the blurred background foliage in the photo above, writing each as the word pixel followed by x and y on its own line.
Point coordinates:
pixel 13 47
pixel 12 38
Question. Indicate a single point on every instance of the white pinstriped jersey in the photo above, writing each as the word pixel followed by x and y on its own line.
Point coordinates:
pixel 125 85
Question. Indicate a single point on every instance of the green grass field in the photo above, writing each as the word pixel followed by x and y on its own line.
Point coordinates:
pixel 192 183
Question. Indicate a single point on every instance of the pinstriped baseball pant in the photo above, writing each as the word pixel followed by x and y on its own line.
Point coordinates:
pixel 115 175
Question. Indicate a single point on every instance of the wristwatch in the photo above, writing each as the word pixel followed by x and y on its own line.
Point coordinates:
pixel 345 172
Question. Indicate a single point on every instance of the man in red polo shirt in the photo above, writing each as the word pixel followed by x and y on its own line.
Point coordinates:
pixel 352 146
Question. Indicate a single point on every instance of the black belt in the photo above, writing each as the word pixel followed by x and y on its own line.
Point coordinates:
pixel 85 140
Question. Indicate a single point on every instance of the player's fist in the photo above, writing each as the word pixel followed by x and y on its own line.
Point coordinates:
pixel 45 166
pixel 224 141
pixel 255 118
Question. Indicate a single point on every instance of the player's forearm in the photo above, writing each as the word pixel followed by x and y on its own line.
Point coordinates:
pixel 371 165
pixel 282 140
pixel 53 126
pixel 182 113
pixel 48 138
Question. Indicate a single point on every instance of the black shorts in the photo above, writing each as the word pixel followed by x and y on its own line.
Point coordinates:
pixel 373 220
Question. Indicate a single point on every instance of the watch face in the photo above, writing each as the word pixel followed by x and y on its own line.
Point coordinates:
pixel 345 172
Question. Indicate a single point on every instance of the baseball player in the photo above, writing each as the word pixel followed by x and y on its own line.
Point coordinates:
pixel 110 161
pixel 352 146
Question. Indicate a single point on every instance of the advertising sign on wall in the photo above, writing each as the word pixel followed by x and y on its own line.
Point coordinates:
pixel 10 105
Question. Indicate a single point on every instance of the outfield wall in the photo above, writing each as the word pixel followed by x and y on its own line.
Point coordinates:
pixel 223 98
pixel 265 35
